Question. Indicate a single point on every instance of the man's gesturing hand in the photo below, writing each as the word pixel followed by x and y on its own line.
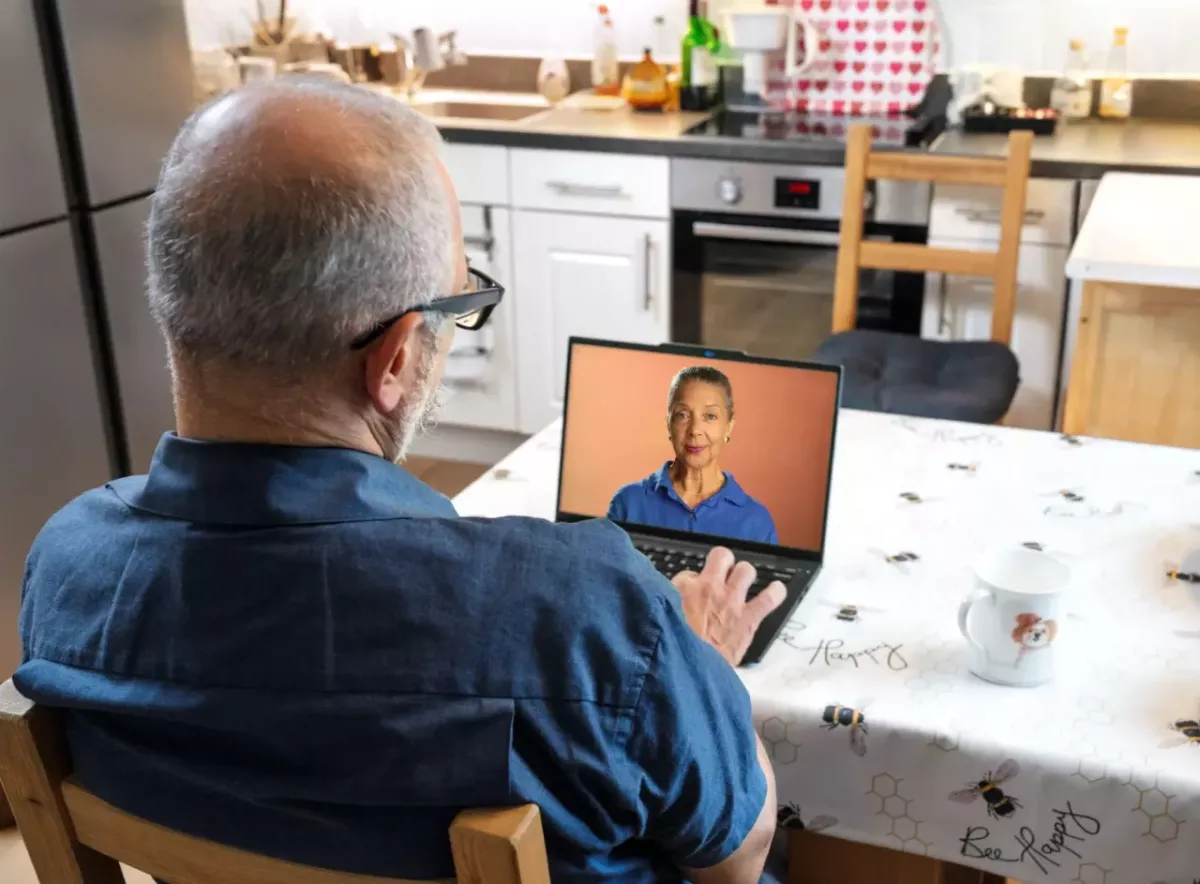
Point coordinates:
pixel 714 603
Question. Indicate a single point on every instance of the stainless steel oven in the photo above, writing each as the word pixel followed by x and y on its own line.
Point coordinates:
pixel 755 255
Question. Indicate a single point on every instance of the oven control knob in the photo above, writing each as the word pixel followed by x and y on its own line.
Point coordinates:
pixel 730 191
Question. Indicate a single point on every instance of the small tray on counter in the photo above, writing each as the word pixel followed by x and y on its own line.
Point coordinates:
pixel 992 118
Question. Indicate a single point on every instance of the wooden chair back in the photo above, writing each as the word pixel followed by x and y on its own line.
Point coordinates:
pixel 863 165
pixel 73 837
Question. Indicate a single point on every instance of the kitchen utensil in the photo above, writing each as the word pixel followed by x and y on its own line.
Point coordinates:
pixel 256 68
pixel 1011 619
pixel 427 50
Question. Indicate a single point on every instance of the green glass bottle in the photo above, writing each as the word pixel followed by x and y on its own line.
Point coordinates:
pixel 697 64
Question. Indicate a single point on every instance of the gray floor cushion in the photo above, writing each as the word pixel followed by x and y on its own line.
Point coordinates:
pixel 899 374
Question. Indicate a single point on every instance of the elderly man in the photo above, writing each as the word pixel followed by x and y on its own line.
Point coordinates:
pixel 280 640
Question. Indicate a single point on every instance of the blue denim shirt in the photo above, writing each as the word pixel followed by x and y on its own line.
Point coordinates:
pixel 305 652
pixel 730 513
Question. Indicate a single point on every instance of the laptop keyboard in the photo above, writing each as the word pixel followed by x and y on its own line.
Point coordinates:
pixel 670 562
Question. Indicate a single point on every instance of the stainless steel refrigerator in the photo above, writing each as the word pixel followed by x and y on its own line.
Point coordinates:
pixel 91 94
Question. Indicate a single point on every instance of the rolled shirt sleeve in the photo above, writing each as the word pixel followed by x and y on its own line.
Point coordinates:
pixel 694 749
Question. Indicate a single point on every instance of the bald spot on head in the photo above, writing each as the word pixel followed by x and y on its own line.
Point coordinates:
pixel 292 216
pixel 264 137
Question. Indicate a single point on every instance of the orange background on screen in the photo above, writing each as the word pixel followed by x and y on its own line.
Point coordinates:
pixel 779 449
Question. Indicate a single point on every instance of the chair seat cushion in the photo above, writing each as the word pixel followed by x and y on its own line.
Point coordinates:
pixel 898 374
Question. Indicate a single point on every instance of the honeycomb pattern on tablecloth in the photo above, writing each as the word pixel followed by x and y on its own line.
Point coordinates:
pixel 946 741
pixel 1090 873
pixel 781 736
pixel 935 667
pixel 1154 806
pixel 904 831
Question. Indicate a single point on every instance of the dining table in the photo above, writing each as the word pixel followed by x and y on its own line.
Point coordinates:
pixel 1092 778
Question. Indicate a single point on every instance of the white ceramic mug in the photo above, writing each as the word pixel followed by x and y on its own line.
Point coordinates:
pixel 1012 617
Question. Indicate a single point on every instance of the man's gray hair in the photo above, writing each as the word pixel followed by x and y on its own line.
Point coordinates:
pixel 279 254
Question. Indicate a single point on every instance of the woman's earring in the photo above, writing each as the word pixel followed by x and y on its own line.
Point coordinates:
pixel 726 438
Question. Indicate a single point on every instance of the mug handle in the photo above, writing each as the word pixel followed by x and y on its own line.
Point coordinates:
pixel 812 42
pixel 964 610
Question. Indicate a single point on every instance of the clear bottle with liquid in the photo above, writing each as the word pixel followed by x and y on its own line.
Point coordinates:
pixel 1072 92
pixel 1116 90
pixel 606 76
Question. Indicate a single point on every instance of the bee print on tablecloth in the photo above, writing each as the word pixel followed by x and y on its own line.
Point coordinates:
pixel 1033 634
pixel 836 716
pixel 1187 571
pixel 969 468
pixel 850 613
pixel 790 817
pixel 1073 441
pixel 1187 732
pixel 1000 805
pixel 1034 545
pixel 1176 575
pixel 1068 495
pixel 900 559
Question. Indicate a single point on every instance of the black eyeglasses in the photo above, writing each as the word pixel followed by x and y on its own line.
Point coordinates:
pixel 471 309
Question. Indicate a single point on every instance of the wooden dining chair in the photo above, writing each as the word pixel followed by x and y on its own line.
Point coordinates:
pixel 884 371
pixel 73 837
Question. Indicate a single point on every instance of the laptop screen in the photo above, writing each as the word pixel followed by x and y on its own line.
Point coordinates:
pixel 677 442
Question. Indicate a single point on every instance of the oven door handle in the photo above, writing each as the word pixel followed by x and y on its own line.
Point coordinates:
pixel 713 230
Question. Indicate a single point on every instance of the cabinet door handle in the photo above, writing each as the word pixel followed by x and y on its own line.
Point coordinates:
pixel 992 216
pixel 472 353
pixel 598 191
pixel 943 325
pixel 648 299
pixel 487 241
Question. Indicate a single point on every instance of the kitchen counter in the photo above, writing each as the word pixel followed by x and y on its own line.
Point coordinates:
pixel 1141 229
pixel 1137 362
pixel 1092 148
pixel 1079 151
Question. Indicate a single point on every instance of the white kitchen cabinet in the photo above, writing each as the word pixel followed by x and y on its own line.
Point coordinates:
pixel 479 172
pixel 601 277
pixel 480 375
pixel 959 308
pixel 973 213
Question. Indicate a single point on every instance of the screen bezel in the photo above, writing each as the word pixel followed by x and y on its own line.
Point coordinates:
pixel 811 555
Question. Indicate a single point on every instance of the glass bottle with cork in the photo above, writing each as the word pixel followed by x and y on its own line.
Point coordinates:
pixel 1116 89
pixel 1072 93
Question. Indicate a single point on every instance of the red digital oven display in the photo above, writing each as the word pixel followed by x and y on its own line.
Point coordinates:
pixel 797 193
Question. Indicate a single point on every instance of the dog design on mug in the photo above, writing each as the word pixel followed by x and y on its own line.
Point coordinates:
pixel 1032 633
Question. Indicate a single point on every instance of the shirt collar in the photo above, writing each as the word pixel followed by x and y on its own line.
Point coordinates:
pixel 241 484
pixel 730 491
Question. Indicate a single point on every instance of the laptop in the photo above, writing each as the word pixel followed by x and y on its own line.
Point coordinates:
pixel 649 442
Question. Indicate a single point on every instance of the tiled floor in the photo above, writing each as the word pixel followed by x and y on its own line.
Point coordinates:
pixel 448 477
pixel 15 867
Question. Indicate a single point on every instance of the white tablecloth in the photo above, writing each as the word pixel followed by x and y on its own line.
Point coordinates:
pixel 1099 797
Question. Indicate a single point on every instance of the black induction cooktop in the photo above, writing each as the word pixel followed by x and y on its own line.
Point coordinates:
pixel 792 127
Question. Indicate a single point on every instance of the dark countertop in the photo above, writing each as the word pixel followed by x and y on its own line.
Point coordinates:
pixel 1078 151
pixel 1088 150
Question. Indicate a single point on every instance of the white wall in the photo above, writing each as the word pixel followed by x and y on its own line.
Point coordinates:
pixel 1028 34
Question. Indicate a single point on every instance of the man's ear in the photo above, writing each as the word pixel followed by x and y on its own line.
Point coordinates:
pixel 390 367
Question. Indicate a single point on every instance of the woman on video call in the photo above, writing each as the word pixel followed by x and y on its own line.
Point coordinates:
pixel 692 492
